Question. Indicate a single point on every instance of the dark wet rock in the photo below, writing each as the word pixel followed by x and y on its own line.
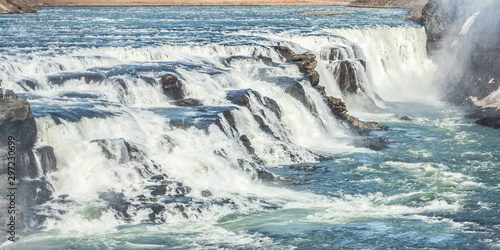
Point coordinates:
pixel 362 62
pixel 141 197
pixel 189 102
pixel 334 54
pixel 267 61
pixel 263 126
pixel 273 106
pixel 255 170
pixel 158 177
pixel 479 113
pixel 291 86
pixel 404 118
pixel 122 152
pixel 158 190
pixel 182 190
pixel 88 77
pixel 156 209
pixel 438 18
pixel 115 149
pixel 37 162
pixel 180 208
pixel 28 84
pixel 16 120
pixel 34 192
pixel 185 215
pixel 362 125
pixel 337 106
pixel 346 74
pixel 117 201
pixel 492 122
pixel 339 109
pixel 306 168
pixel 248 145
pixel 113 197
pixel 228 116
pixel 242 98
pixel 320 90
pixel 172 87
pixel 306 62
pixel 469 60
pixel 206 193
pixel 373 143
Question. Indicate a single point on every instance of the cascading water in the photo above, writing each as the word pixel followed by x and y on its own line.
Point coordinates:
pixel 228 168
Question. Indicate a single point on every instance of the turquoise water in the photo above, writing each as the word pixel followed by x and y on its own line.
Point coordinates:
pixel 435 186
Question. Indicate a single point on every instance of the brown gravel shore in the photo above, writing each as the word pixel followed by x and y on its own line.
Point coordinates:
pixel 48 3
pixel 415 6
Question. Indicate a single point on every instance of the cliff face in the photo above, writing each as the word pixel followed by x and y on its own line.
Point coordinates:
pixel 463 39
pixel 23 165
pixel 16 6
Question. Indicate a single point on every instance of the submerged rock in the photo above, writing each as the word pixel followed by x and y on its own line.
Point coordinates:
pixel 189 102
pixel 373 143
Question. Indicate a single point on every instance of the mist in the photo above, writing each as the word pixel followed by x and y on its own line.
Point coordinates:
pixel 466 47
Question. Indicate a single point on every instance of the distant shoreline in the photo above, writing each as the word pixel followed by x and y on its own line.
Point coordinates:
pixel 104 3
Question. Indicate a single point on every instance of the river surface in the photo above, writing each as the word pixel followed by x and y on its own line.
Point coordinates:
pixel 94 74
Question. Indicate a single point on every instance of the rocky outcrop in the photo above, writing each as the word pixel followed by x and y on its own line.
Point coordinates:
pixel 172 87
pixel 463 39
pixel 439 18
pixel 242 98
pixel 306 62
pixel 25 163
pixel 16 6
pixel 492 122
pixel 291 86
pixel 16 120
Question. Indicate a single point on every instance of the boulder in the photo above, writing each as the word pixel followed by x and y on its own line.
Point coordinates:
pixel 206 193
pixel 172 87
